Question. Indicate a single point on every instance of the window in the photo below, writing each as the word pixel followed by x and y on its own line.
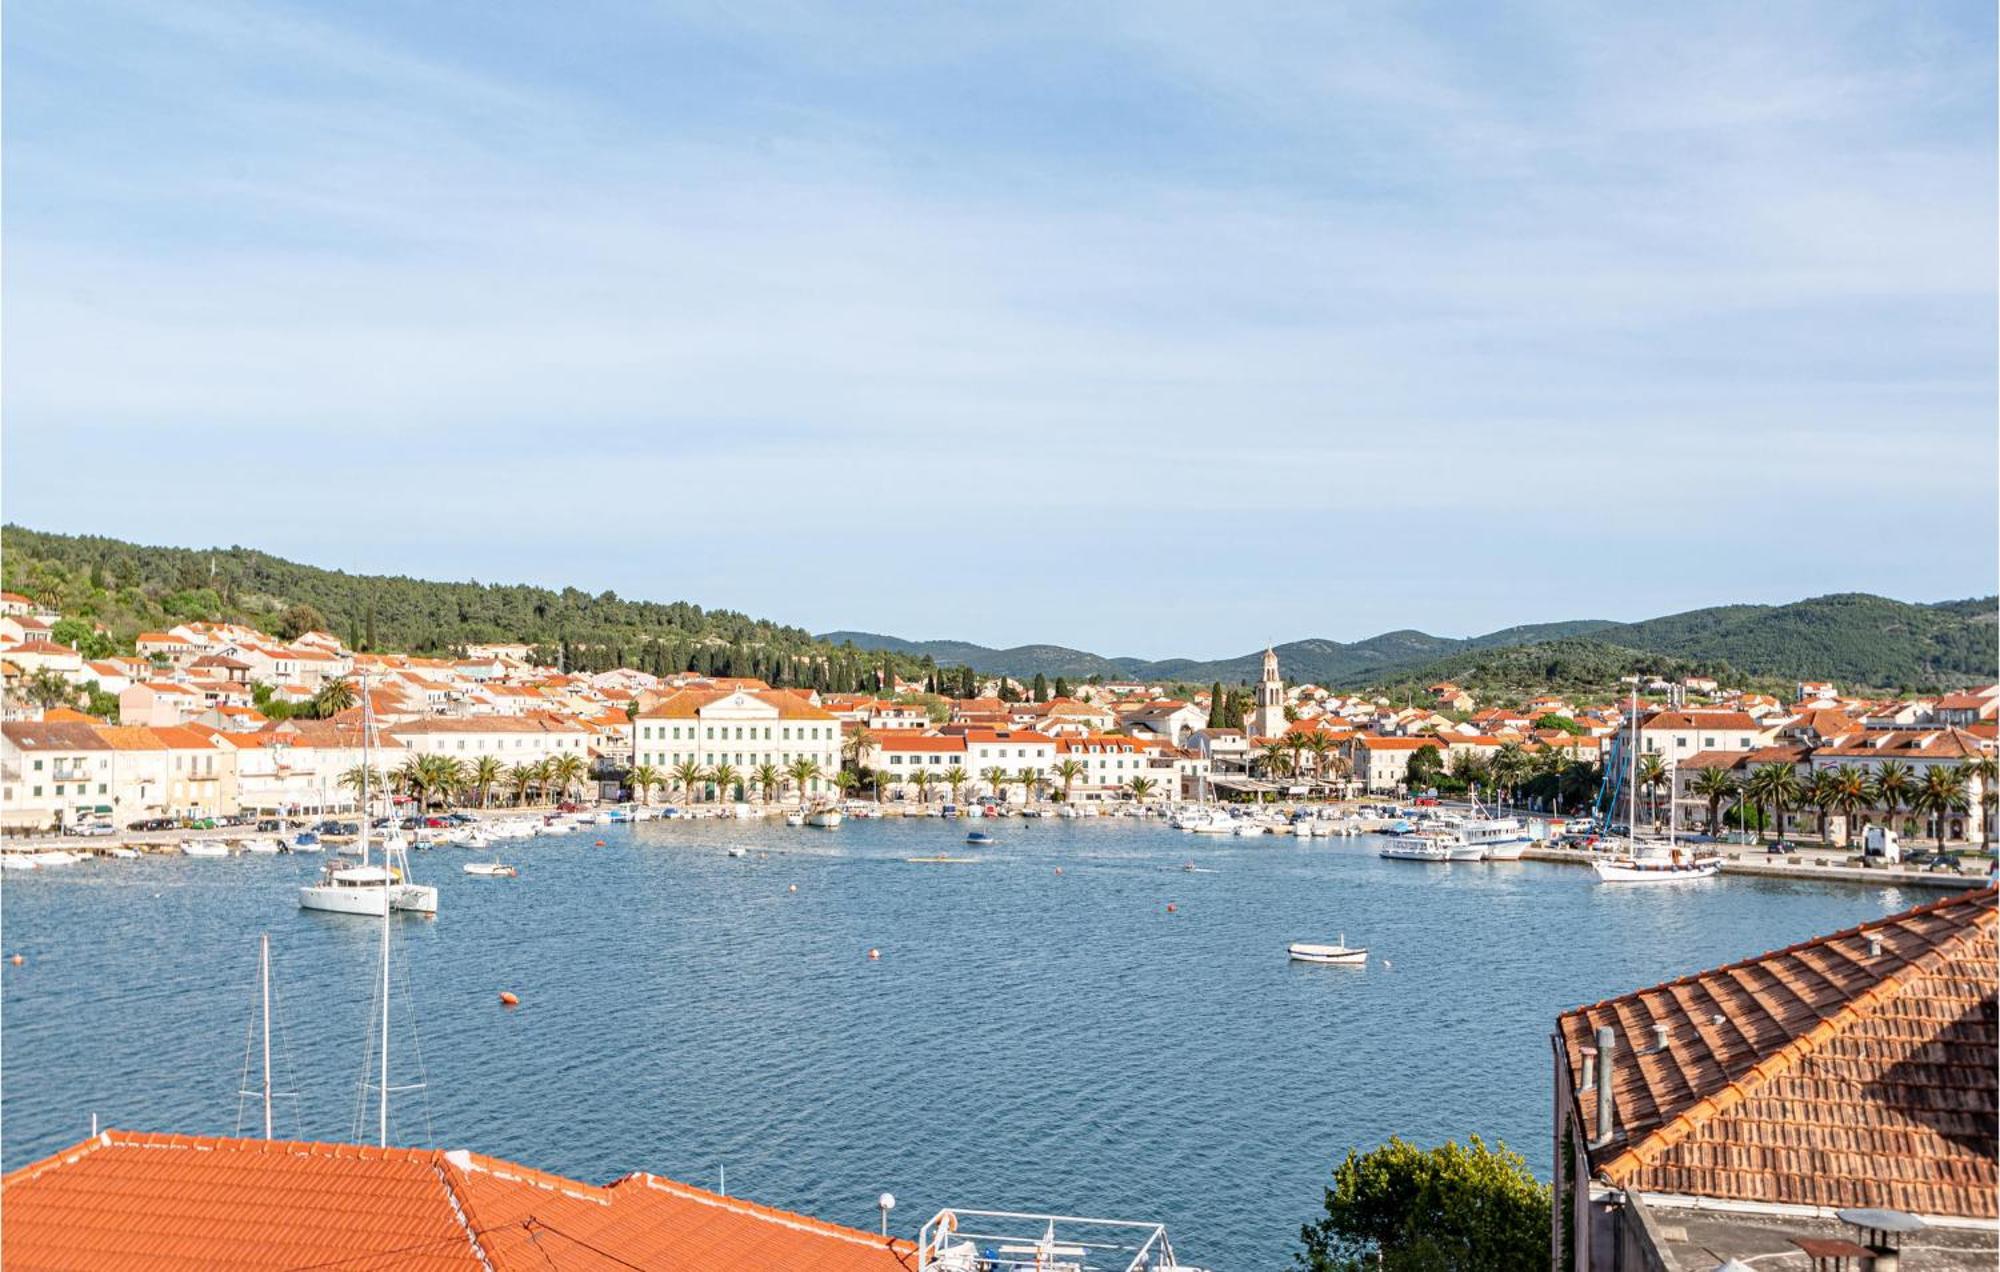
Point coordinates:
pixel 38 768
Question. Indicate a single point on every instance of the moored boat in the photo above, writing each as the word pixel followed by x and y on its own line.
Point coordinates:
pixel 1416 848
pixel 1339 953
pixel 490 869
pixel 204 848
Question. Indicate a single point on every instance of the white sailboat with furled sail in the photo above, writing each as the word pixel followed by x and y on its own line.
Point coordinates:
pixel 366 887
pixel 1652 863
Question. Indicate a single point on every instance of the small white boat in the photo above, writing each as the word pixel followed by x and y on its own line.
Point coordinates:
pixel 739 852
pixel 491 869
pixel 56 857
pixel 795 819
pixel 1341 953
pixel 1247 828
pixel 204 848
pixel 121 852
pixel 16 861
pixel 825 818
pixel 261 847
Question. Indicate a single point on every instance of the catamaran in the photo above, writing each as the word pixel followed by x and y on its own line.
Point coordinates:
pixel 362 887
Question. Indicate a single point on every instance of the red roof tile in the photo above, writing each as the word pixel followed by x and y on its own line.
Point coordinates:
pixel 1823 1074
pixel 123 1199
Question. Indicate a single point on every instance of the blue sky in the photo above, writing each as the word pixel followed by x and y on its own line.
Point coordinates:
pixel 1156 329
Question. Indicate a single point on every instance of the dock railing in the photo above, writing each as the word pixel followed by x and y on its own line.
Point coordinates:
pixel 1017 1241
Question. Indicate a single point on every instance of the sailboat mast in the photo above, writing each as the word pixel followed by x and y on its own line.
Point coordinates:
pixel 383 1104
pixel 1632 782
pixel 367 762
pixel 264 978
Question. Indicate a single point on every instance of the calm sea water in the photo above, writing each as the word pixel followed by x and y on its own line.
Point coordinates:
pixel 1027 1040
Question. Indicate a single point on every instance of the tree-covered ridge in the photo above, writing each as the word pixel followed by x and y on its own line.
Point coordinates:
pixel 129 588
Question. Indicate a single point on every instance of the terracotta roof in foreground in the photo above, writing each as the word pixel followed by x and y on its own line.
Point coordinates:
pixel 1822 1074
pixel 125 1199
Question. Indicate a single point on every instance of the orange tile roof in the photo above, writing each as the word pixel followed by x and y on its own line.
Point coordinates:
pixel 1820 1074
pixel 125 1199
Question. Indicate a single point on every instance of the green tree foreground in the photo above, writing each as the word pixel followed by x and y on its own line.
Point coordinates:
pixel 1401 1208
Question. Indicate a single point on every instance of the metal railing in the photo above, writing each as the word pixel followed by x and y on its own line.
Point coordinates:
pixel 1018 1241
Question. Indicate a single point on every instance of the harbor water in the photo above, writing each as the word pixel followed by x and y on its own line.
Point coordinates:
pixel 1040 1031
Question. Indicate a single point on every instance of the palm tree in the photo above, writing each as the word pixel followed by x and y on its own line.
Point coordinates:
pixel 1822 793
pixel 856 744
pixel 521 779
pixel 334 697
pixel 412 778
pixel 687 775
pixel 1892 788
pixel 566 772
pixel 1713 785
pixel 354 778
pixel 544 771
pixel 485 776
pixel 1850 798
pixel 997 778
pixel 1317 745
pixel 1139 788
pixel 769 780
pixel 725 778
pixel 1777 786
pixel 1068 771
pixel 1031 782
pixel 955 777
pixel 922 779
pixel 804 772
pixel 449 777
pixel 1275 760
pixel 644 777
pixel 1510 766
pixel 845 781
pixel 1652 772
pixel 1942 794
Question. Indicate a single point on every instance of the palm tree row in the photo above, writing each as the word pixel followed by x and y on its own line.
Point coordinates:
pixel 1849 793
pixel 768 781
pixel 441 780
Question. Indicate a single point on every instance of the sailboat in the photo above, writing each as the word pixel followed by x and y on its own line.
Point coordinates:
pixel 1654 865
pixel 363 887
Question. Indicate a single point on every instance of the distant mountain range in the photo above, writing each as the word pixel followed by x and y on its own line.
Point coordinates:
pixel 1851 638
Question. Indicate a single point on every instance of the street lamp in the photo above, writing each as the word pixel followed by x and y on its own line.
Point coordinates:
pixel 885 1203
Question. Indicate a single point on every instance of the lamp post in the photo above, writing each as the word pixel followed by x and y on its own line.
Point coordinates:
pixel 885 1203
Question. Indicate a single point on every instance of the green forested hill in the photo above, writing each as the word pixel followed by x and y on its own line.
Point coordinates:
pixel 129 588
pixel 1854 639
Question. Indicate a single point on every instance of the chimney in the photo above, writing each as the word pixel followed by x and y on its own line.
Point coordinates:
pixel 1874 945
pixel 1605 1041
pixel 1589 1068
pixel 1661 1031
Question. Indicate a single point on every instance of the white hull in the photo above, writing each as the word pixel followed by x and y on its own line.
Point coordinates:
pixel 204 850
pixel 825 821
pixel 1303 952
pixel 332 900
pixel 1637 872
pixel 795 819
pixel 1506 852
pixel 1416 851
pixel 490 869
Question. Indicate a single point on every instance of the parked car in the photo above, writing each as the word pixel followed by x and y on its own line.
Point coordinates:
pixel 1780 847
pixel 91 829
pixel 153 823
pixel 270 824
pixel 1938 861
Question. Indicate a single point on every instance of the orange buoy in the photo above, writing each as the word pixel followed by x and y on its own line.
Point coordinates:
pixel 599 844
pixel 1171 907
pixel 508 999
pixel 874 954
pixel 18 960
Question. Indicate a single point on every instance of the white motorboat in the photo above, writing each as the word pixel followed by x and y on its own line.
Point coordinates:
pixel 261 847
pixel 825 818
pixel 56 857
pixel 795 819
pixel 17 861
pixel 122 852
pixel 1458 848
pixel 491 869
pixel 738 851
pixel 204 848
pixel 1248 828
pixel 1498 838
pixel 1416 848
pixel 1340 953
